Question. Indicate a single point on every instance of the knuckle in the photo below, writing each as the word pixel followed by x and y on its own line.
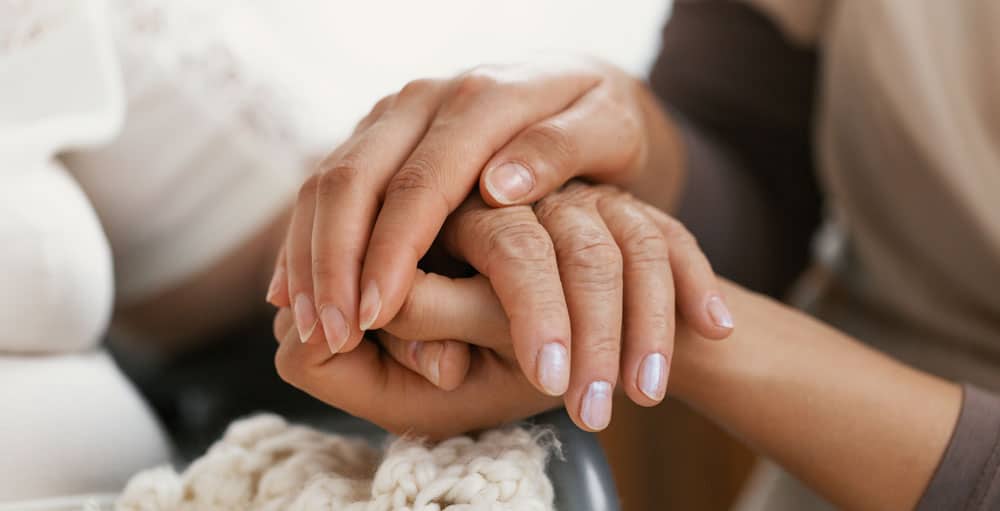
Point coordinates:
pixel 324 271
pixel 416 89
pixel 519 241
pixel 658 321
pixel 382 106
pixel 476 82
pixel 551 138
pixel 590 249
pixel 342 173
pixel 307 192
pixel 645 245
pixel 603 348
pixel 416 176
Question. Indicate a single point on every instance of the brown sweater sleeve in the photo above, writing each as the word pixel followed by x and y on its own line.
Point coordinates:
pixel 743 96
pixel 968 477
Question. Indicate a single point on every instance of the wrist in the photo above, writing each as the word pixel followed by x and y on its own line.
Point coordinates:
pixel 659 171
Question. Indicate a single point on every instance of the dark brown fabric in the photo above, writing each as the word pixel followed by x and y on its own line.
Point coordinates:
pixel 746 94
pixel 968 477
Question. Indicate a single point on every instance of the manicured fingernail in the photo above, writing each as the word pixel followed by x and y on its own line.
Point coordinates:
pixel 275 285
pixel 553 368
pixel 334 327
pixel 371 304
pixel 653 376
pixel 305 316
pixel 509 182
pixel 596 410
pixel 719 312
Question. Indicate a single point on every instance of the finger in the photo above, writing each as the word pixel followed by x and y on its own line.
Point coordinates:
pixel 483 112
pixel 277 290
pixel 515 253
pixel 283 323
pixel 368 383
pixel 348 191
pixel 443 363
pixel 298 259
pixel 648 332
pixel 465 309
pixel 595 135
pixel 699 297
pixel 590 265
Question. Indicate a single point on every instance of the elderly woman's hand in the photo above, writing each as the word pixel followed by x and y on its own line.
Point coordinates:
pixel 616 261
pixel 377 203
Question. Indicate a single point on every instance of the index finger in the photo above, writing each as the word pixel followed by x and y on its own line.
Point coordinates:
pixel 484 112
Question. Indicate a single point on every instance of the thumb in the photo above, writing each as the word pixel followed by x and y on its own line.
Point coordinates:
pixel 594 137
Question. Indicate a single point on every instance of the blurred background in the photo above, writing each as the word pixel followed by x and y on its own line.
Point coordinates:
pixel 341 57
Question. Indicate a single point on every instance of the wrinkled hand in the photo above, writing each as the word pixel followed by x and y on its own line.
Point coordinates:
pixel 377 203
pixel 614 260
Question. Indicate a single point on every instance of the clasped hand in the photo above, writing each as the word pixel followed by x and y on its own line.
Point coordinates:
pixel 574 287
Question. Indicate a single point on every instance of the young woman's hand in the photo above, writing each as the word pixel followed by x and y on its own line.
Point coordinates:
pixel 377 202
pixel 617 264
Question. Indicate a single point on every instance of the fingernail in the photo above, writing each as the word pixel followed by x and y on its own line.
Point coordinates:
pixel 553 368
pixel 305 316
pixel 371 304
pixel 653 376
pixel 274 286
pixel 596 410
pixel 719 312
pixel 432 364
pixel 509 182
pixel 334 327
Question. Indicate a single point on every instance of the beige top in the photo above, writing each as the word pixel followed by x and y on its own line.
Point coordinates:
pixel 908 139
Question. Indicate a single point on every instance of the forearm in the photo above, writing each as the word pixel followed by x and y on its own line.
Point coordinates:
pixel 861 429
pixel 227 293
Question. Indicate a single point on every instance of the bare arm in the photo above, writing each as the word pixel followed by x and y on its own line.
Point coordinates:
pixel 860 428
pixel 208 303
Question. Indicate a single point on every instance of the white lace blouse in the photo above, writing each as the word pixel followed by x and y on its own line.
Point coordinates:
pixel 134 151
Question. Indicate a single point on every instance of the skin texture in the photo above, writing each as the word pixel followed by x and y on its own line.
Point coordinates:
pixel 377 203
pixel 617 264
pixel 868 441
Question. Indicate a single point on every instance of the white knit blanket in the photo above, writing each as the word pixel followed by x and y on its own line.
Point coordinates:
pixel 262 463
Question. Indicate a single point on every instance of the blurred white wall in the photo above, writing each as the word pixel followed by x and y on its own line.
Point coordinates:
pixel 343 56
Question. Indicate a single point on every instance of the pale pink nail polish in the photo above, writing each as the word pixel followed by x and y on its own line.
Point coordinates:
pixel 719 313
pixel 509 182
pixel 553 368
pixel 653 376
pixel 596 409
pixel 305 316
pixel 371 304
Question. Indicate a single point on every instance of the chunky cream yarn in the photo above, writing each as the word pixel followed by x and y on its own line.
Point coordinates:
pixel 265 464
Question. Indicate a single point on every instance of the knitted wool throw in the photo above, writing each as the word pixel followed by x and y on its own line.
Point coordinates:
pixel 262 463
